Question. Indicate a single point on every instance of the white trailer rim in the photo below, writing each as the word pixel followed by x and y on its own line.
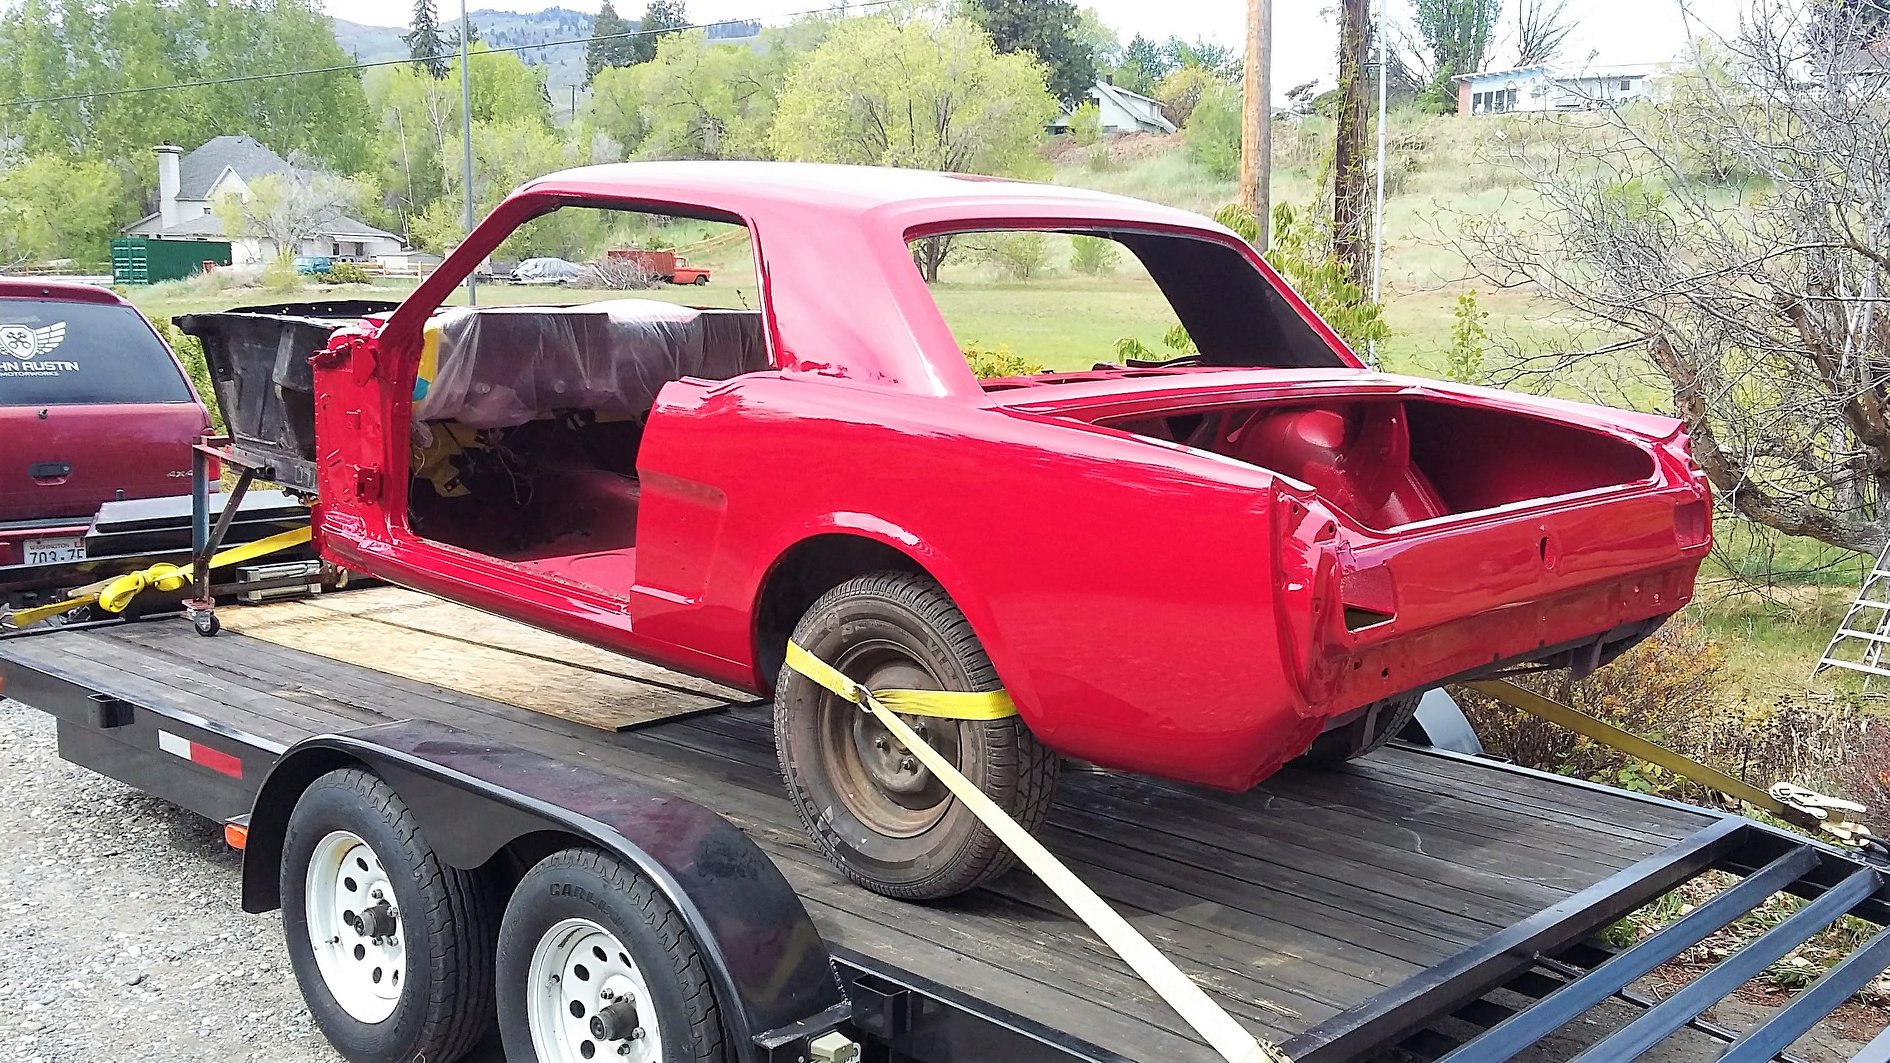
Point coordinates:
pixel 347 897
pixel 588 999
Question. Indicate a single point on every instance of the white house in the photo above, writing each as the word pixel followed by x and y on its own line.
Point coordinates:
pixel 1543 88
pixel 1122 112
pixel 189 186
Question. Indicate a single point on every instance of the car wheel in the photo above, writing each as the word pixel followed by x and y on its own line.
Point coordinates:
pixel 392 949
pixel 595 964
pixel 881 817
pixel 1363 736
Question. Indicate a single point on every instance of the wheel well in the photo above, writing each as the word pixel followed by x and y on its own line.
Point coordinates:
pixel 811 568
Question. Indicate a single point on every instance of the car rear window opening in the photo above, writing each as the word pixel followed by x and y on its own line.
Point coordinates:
pixel 58 353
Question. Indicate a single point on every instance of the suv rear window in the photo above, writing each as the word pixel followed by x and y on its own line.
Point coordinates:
pixel 56 353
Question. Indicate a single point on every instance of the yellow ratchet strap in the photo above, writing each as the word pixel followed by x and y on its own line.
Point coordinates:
pixel 1794 804
pixel 945 704
pixel 115 594
pixel 1219 1029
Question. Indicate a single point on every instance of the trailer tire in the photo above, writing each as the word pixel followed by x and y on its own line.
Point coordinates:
pixel 591 956
pixel 889 825
pixel 444 922
pixel 1363 736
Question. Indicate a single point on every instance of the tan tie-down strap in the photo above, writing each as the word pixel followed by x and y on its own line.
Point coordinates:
pixel 1210 1020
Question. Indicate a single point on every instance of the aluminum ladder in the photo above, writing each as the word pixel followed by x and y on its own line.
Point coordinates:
pixel 1858 644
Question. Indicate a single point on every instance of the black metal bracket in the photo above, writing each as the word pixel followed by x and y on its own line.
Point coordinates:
pixel 109 711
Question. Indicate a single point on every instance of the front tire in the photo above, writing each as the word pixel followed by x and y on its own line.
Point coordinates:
pixel 594 963
pixel 392 949
pixel 881 817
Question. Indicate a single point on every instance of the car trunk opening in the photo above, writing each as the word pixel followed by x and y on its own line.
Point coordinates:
pixel 1387 463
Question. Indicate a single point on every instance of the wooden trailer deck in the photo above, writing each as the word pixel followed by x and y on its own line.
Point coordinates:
pixel 1319 902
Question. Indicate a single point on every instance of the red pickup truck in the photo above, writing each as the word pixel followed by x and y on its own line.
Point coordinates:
pixel 1200 570
pixel 93 407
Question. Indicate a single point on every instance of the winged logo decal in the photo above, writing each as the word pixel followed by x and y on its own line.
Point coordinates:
pixel 25 343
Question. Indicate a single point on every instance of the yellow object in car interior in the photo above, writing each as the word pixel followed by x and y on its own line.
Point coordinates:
pixel 115 594
pixel 1220 1030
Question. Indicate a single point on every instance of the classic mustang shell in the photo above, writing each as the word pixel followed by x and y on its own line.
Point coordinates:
pixel 1188 570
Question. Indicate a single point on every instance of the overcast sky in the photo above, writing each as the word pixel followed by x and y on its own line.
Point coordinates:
pixel 1612 31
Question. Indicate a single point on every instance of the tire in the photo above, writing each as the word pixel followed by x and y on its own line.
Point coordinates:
pixel 701 279
pixel 1363 736
pixel 885 822
pixel 578 905
pixel 444 1007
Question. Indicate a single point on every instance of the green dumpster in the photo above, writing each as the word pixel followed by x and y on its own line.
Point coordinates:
pixel 148 260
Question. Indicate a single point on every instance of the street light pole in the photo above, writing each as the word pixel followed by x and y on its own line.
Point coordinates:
pixel 465 118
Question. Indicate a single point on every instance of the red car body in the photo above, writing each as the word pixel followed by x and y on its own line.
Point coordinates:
pixel 1149 605
pixel 105 412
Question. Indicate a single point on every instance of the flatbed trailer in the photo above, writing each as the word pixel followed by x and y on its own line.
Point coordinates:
pixel 1415 902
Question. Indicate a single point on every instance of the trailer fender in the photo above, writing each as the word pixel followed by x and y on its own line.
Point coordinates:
pixel 774 978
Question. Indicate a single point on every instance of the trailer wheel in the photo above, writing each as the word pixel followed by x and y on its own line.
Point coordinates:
pixel 880 816
pixel 594 963
pixel 393 950
pixel 1363 736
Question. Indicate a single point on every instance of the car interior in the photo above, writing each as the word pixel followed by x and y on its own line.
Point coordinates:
pixel 527 421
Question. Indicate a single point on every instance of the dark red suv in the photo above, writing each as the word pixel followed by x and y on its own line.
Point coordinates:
pixel 93 407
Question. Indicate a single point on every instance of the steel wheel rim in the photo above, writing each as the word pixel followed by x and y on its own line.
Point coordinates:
pixel 588 1000
pixel 848 734
pixel 347 896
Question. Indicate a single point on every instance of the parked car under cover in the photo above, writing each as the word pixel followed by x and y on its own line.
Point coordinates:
pixel 1201 569
pixel 93 407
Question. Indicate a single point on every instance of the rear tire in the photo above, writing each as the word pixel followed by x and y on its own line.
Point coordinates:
pixel 594 963
pixel 1363 736
pixel 882 818
pixel 354 867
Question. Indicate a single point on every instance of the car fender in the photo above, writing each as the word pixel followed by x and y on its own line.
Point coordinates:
pixel 924 553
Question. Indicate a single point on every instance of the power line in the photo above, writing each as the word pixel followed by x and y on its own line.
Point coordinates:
pixel 349 67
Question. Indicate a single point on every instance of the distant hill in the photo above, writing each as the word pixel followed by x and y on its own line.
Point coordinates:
pixel 563 63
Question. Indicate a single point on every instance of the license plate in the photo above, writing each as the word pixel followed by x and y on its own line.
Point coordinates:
pixel 54 551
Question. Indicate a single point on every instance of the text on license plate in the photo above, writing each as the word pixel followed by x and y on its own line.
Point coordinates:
pixel 54 551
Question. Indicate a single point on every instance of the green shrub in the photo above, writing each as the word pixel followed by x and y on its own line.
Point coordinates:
pixel 280 275
pixel 1019 256
pixel 1213 131
pixel 190 352
pixel 1469 339
pixel 988 363
pixel 345 273
pixel 1086 123
pixel 1094 255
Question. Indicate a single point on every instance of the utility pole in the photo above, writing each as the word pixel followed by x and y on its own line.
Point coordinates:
pixel 1348 153
pixel 1256 131
pixel 465 129
pixel 1378 212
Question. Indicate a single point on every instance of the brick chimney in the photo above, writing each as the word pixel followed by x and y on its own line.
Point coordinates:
pixel 168 183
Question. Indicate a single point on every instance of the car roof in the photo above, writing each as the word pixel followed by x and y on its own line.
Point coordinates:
pixel 62 291
pixel 760 187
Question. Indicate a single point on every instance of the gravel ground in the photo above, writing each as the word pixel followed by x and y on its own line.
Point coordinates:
pixel 121 935
pixel 122 940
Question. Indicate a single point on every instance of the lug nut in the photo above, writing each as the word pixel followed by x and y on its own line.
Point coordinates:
pixel 608 994
pixel 377 894
pixel 636 1034
pixel 880 743
pixel 906 763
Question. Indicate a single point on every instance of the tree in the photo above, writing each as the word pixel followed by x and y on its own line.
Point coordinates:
pixel 704 100
pixel 1213 131
pixel 1542 27
pixel 287 208
pixel 1457 35
pixel 660 19
pixel 1348 150
pixel 1730 250
pixel 600 53
pixel 54 207
pixel 1182 89
pixel 1049 29
pixel 1143 65
pixel 424 42
pixel 919 92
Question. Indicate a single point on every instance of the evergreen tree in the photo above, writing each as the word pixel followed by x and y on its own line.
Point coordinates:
pixel 660 19
pixel 1049 30
pixel 424 43
pixel 614 49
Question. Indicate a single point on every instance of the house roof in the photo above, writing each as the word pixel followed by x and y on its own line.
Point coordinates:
pixel 197 172
pixel 1621 70
pixel 344 227
pixel 1148 110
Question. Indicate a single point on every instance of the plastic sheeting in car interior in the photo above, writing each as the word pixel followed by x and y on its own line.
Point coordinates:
pixel 501 366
